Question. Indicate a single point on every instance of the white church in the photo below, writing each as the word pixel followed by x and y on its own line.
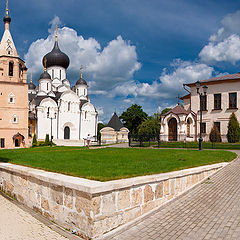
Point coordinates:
pixel 56 107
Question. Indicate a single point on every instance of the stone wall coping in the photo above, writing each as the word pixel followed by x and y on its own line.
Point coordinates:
pixel 93 187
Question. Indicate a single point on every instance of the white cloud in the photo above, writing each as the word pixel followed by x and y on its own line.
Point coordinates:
pixel 103 68
pixel 169 85
pixel 224 46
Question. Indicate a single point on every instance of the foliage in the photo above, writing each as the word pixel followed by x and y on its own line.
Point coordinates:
pixel 133 117
pixel 215 135
pixel 112 163
pixel 47 141
pixel 99 127
pixel 233 134
pixel 34 142
pixel 150 126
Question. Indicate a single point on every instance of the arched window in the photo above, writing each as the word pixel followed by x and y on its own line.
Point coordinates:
pixel 188 128
pixel 47 86
pixel 69 106
pixel 84 92
pixel 11 98
pixel 14 119
pixel 10 69
pixel 60 74
pixel 48 111
pixel 85 115
pixel 52 74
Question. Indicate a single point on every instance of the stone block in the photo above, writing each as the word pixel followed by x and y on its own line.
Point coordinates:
pixel 96 204
pixel 166 188
pixel 147 207
pixel 57 194
pixel 108 203
pixel 132 214
pixel 82 204
pixel 9 187
pixel 44 204
pixel 159 190
pixel 123 199
pixel 20 198
pixel 68 198
pixel 188 181
pixel 148 193
pixel 137 196
pixel 172 184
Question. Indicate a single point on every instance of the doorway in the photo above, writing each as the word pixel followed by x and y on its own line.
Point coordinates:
pixel 172 129
pixel 67 133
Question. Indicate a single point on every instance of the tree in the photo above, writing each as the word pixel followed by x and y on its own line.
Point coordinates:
pixel 34 142
pixel 215 135
pixel 133 117
pixel 99 127
pixel 47 142
pixel 150 126
pixel 233 134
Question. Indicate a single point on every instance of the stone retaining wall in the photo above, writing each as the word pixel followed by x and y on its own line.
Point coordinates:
pixel 91 207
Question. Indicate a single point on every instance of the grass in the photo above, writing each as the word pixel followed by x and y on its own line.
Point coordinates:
pixel 112 163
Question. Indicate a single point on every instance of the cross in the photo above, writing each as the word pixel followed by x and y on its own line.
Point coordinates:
pixel 31 77
pixel 178 98
pixel 45 64
pixel 81 70
pixel 7 7
pixel 56 33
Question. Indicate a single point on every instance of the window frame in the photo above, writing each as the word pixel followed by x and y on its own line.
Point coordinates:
pixel 217 101
pixel 232 105
pixel 218 125
pixel 203 127
pixel 10 69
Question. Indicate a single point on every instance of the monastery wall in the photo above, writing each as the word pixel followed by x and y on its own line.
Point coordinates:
pixel 94 208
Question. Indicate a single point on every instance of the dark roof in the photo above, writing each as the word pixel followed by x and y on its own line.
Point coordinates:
pixel 177 110
pixel 82 102
pixel 235 76
pixel 45 75
pixel 31 86
pixel 115 123
pixel 31 96
pixel 56 58
pixel 81 81
pixel 31 116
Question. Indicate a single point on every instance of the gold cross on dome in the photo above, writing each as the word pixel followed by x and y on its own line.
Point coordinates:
pixel 56 36
pixel 7 7
pixel 81 70
pixel 31 77
pixel 45 64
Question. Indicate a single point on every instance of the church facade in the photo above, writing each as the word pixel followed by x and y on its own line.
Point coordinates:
pixel 56 108
pixel 221 100
pixel 13 93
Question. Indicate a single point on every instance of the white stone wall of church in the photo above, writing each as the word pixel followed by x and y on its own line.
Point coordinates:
pixel 45 85
pixel 81 90
pixel 88 124
pixel 210 116
pixel 56 73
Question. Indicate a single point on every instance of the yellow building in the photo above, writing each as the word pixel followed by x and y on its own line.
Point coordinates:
pixel 13 93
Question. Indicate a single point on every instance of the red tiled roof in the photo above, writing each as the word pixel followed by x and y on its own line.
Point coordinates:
pixel 219 78
pixel 177 110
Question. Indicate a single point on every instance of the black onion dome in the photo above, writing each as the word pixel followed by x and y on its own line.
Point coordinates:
pixel 7 19
pixel 81 81
pixel 31 86
pixel 45 75
pixel 56 58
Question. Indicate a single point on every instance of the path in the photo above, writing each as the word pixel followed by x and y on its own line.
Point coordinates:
pixel 18 224
pixel 209 211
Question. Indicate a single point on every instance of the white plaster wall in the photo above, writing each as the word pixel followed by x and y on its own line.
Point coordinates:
pixel 45 85
pixel 81 90
pixel 56 74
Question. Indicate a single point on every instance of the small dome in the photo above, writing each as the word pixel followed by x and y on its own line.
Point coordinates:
pixel 81 81
pixel 7 19
pixel 45 75
pixel 56 58
pixel 31 86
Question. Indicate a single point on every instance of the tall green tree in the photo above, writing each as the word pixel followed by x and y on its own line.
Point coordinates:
pixel 215 135
pixel 34 142
pixel 99 127
pixel 150 126
pixel 233 134
pixel 133 117
pixel 47 141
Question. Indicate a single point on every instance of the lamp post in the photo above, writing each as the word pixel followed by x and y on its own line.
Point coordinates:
pixel 51 118
pixel 201 95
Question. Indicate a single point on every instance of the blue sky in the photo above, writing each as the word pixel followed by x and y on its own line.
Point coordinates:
pixel 133 51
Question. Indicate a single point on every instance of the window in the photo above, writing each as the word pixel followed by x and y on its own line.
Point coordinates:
pixel 217 124
pixel 11 98
pixel 52 73
pixel 14 119
pixel 47 86
pixel 69 106
pixel 217 101
pixel 203 128
pixel 84 92
pixel 60 74
pixel 85 115
pixel 2 142
pixel 10 69
pixel 188 128
pixel 232 100
pixel 204 102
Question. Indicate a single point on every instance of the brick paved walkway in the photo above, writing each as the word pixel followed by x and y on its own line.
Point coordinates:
pixel 209 211
pixel 16 224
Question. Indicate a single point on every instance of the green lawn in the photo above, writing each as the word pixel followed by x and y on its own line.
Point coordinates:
pixel 112 163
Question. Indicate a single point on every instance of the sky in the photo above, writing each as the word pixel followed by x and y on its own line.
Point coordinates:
pixel 132 51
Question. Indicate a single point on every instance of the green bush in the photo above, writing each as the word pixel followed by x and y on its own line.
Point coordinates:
pixel 47 142
pixel 215 135
pixel 233 134
pixel 34 142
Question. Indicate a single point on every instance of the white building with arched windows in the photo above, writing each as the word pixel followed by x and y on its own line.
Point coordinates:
pixel 56 107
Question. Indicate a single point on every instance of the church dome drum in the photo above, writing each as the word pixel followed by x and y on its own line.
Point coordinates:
pixel 56 58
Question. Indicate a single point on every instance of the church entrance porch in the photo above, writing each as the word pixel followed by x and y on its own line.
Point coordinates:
pixel 172 129
pixel 67 132
pixel 18 139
